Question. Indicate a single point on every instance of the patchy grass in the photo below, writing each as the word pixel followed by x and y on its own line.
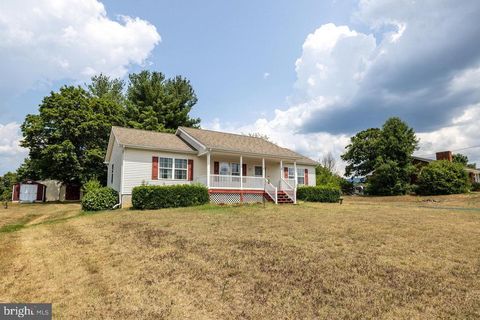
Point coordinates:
pixel 391 258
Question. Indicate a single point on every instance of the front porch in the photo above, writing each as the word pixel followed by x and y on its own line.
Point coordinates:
pixel 236 178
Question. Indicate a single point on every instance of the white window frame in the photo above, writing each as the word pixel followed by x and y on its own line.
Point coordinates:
pixel 224 164
pixel 185 169
pixel 291 173
pixel 172 169
pixel 300 174
pixel 230 171
pixel 235 173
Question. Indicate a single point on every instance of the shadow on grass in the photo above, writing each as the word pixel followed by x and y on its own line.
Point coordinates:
pixel 23 223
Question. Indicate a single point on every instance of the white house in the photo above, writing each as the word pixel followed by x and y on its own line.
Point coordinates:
pixel 235 168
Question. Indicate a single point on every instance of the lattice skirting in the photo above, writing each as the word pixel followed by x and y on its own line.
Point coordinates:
pixel 231 198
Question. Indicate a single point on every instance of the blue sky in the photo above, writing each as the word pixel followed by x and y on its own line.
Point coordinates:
pixel 226 47
pixel 308 74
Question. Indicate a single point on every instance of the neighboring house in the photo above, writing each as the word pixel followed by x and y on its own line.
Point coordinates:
pixel 235 168
pixel 473 174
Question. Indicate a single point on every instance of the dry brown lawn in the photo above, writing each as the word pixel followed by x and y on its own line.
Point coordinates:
pixel 390 258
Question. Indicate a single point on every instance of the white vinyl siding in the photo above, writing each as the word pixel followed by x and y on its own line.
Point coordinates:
pixel 115 167
pixel 301 173
pixel 138 168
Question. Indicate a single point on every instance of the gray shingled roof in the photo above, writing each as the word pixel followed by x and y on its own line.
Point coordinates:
pixel 211 139
pixel 150 139
pixel 241 143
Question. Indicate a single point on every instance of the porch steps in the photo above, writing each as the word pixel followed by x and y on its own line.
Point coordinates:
pixel 282 198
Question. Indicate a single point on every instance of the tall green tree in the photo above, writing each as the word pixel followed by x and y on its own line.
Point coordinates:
pixel 103 86
pixel 460 158
pixel 159 104
pixel 68 138
pixel 362 152
pixel 6 183
pixel 385 152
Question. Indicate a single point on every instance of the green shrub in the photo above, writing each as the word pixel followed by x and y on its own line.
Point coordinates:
pixel 389 179
pixel 319 194
pixel 475 186
pixel 92 184
pixel 442 177
pixel 100 199
pixel 156 197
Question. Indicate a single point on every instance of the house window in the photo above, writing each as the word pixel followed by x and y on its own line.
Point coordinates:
pixel 181 169
pixel 224 168
pixel 171 168
pixel 111 174
pixel 300 176
pixel 236 169
pixel 227 169
pixel 258 171
pixel 166 168
pixel 291 173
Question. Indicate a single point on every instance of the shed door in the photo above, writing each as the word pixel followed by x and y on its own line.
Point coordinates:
pixel 28 192
pixel 72 192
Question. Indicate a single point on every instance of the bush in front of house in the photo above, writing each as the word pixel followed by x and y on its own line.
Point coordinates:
pixel 319 194
pixel 442 177
pixel 475 186
pixel 90 185
pixel 157 197
pixel 99 199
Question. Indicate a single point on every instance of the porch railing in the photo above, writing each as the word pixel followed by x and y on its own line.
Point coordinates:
pixel 218 181
pixel 289 189
pixel 236 182
pixel 271 190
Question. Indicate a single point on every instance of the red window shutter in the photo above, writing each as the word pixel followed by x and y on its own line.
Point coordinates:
pixel 244 169
pixel 16 192
pixel 154 168
pixel 306 177
pixel 190 169
pixel 285 172
pixel 216 167
pixel 39 192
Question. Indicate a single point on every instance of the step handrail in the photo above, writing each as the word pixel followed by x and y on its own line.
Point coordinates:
pixel 291 191
pixel 275 197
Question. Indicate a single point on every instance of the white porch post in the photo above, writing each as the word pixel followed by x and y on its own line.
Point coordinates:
pixel 281 168
pixel 241 172
pixel 295 183
pixel 208 170
pixel 296 177
pixel 263 168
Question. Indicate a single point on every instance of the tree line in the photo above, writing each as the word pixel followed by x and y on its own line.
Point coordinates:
pixel 384 155
pixel 68 137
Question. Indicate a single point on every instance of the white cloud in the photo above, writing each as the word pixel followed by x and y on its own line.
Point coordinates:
pixel 413 68
pixel 42 41
pixel 11 154
pixel 266 75
pixel 334 59
pixel 463 133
